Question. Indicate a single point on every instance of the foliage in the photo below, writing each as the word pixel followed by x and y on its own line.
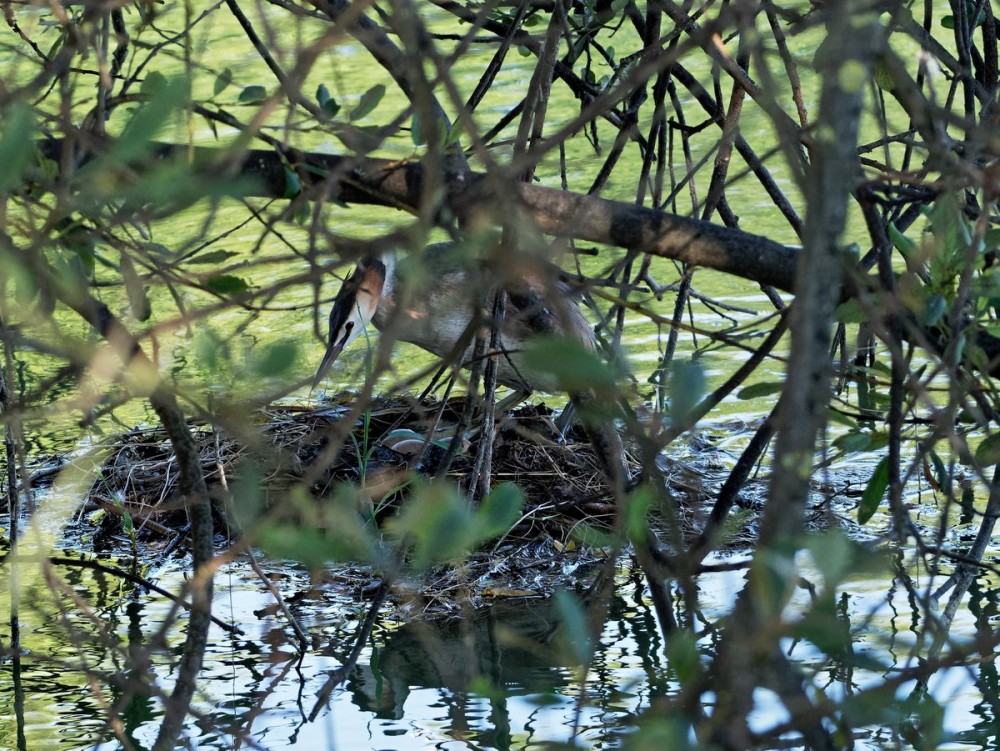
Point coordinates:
pixel 173 220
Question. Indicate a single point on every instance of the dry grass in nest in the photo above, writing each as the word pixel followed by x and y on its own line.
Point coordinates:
pixel 562 482
pixel 566 497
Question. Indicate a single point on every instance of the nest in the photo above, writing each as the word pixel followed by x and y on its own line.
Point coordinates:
pixel 326 450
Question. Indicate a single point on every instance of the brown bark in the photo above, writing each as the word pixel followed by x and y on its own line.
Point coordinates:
pixel 385 182
pixel 746 651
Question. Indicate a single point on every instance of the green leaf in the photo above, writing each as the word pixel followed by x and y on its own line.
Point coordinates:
pixel 482 686
pixel 212 257
pixel 654 732
pixel 877 705
pixel 573 367
pixel 368 102
pixel 682 656
pixel 882 75
pixel 948 21
pixel 135 290
pixel 866 399
pixel 851 311
pixel 416 130
pixel 311 547
pixel 773 579
pixel 927 730
pixel 25 283
pixel 436 522
pixel 301 213
pixel 591 536
pixel 498 511
pixel 357 138
pixel 834 556
pixel 951 240
pixel 227 284
pixel 454 133
pixel 293 185
pixel 757 390
pixel 637 514
pixel 153 83
pixel 934 309
pixel 988 452
pixel 872 497
pixel 211 350
pixel 901 242
pixel 18 130
pixel 330 529
pixel 879 439
pixel 56 46
pixel 326 102
pixel 247 493
pixel 822 626
pixel 574 632
pixel 252 95
pixel 426 131
pixel 331 107
pixel 276 359
pixel 687 386
pixel 165 98
pixel 222 81
pixel 839 418
pixel 851 443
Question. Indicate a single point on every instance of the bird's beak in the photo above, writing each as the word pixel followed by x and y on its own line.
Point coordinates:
pixel 332 353
pixel 352 310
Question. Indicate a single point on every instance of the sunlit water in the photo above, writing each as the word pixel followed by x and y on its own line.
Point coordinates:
pixel 496 682
pixel 417 687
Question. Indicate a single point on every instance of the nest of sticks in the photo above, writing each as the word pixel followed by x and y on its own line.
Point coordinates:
pixel 137 501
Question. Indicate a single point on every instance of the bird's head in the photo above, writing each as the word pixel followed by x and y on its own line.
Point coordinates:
pixel 353 308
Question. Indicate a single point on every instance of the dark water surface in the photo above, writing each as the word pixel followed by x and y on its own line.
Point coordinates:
pixel 495 681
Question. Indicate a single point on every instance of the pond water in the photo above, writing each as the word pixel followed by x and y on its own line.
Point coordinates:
pixel 492 682
pixel 495 681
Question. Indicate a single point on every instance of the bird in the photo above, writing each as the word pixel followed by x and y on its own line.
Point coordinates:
pixel 436 315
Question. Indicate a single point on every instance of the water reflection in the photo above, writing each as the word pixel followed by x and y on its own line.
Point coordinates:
pixel 497 680
pixel 505 647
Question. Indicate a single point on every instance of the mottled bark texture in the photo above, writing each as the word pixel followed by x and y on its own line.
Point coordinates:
pixel 748 651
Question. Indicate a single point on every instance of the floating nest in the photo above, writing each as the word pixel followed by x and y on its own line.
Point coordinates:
pixel 286 449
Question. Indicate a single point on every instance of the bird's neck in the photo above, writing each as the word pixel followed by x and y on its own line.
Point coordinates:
pixel 388 259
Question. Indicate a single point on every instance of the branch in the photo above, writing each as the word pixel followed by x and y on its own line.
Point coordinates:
pixel 471 196
pixel 192 485
pixel 398 184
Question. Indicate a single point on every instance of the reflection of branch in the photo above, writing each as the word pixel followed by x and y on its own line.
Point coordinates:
pixel 967 568
pixel 745 647
pixel 340 674
pixel 192 483
pixel 140 581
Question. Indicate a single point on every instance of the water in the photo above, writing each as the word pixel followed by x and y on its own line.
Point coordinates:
pixel 493 682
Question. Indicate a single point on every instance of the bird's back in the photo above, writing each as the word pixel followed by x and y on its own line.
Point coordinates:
pixel 437 305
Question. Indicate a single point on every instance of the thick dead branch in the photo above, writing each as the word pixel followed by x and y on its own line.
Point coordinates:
pixel 475 196
pixel 384 182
